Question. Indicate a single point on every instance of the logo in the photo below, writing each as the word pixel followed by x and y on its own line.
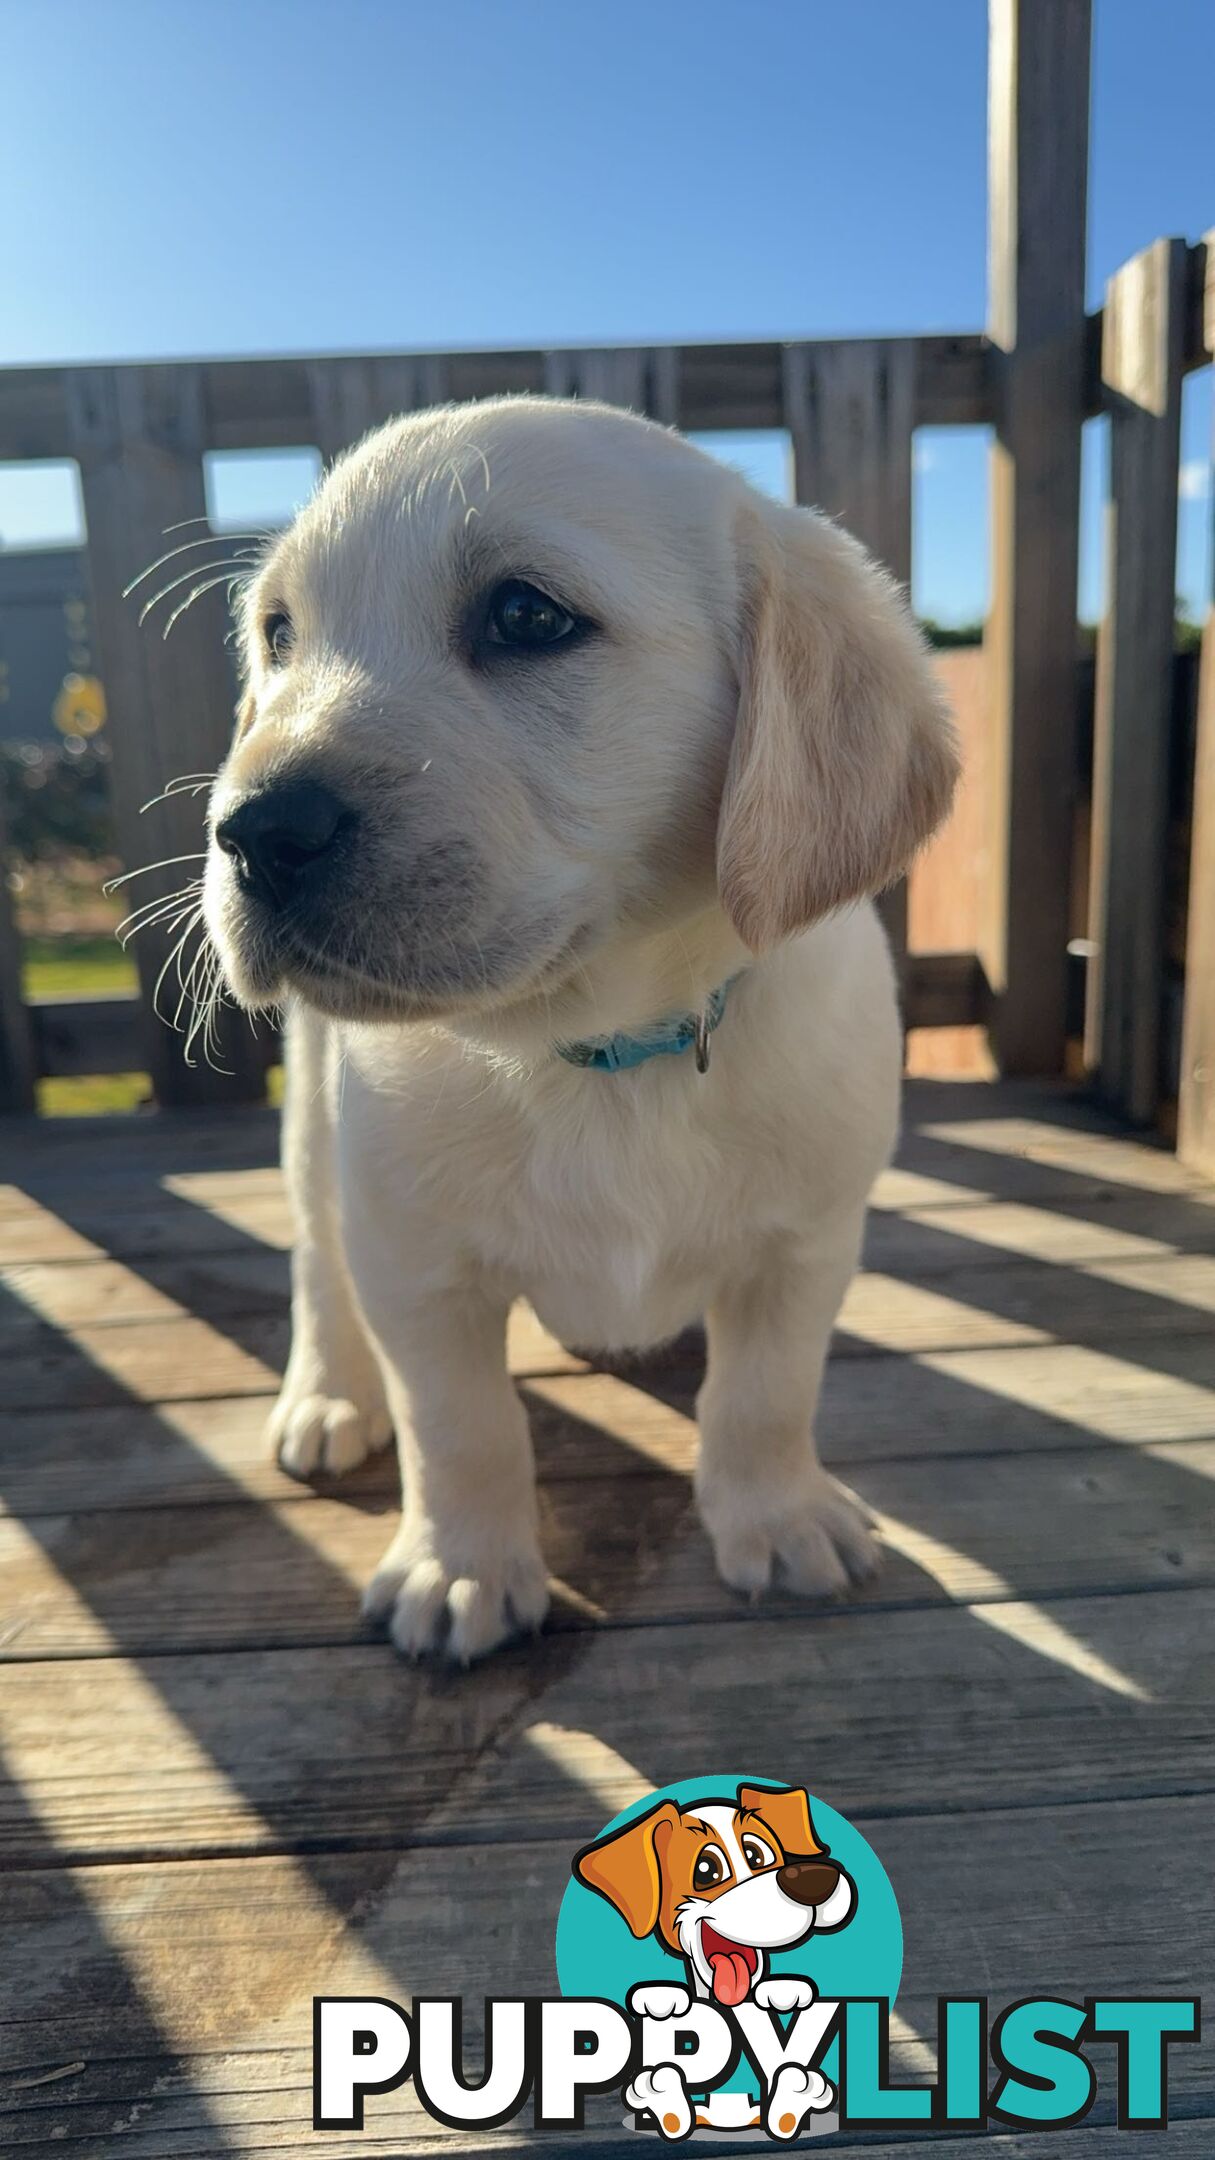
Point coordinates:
pixel 728 1955
pixel 716 1914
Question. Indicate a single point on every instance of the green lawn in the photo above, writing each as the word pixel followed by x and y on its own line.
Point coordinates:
pixel 73 966
pixel 76 966
pixel 101 1095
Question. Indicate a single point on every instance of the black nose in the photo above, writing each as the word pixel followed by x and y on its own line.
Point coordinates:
pixel 808 1882
pixel 275 837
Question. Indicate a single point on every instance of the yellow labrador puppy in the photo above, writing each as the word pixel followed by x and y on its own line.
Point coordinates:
pixel 565 766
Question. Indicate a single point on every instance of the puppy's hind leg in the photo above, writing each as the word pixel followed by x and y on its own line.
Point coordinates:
pixel 764 1496
pixel 332 1411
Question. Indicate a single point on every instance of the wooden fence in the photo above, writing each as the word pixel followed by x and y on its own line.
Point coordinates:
pixel 139 434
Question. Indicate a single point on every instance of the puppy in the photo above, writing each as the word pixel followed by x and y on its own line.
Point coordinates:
pixel 721 1885
pixel 564 767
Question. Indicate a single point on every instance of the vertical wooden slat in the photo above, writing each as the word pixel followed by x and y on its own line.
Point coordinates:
pixel 1141 368
pixel 850 409
pixel 1038 159
pixel 665 371
pixel 616 375
pixel 350 397
pixel 16 1040
pixel 1196 1107
pixel 138 435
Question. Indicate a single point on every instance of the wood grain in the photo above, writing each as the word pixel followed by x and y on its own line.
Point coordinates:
pixel 223 1793
pixel 1054 1396
pixel 1038 154
pixel 290 1750
pixel 16 1040
pixel 850 410
pixel 274 403
pixel 1196 1106
pixel 1004 1526
pixel 1141 363
pixel 138 435
pixel 229 1953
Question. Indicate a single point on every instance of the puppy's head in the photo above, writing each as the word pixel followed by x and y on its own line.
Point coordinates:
pixel 722 1882
pixel 529 675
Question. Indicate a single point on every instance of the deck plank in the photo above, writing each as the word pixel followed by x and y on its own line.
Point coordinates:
pixel 1033 1526
pixel 1127 1303
pixel 297 1749
pixel 228 1953
pixel 234 1247
pixel 962 1402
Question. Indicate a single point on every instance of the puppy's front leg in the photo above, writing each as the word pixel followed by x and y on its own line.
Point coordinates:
pixel 331 1412
pixel 763 1494
pixel 465 1569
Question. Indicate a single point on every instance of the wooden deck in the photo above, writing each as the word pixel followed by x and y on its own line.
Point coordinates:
pixel 222 1795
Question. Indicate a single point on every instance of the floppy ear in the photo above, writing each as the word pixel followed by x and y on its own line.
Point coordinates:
pixel 788 1813
pixel 626 1867
pixel 844 759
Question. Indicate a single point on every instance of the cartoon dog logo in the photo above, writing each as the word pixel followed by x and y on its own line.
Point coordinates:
pixel 721 1884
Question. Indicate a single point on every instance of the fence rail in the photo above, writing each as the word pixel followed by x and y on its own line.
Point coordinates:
pixel 139 433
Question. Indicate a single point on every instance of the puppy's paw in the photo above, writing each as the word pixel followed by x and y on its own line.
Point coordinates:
pixel 461 1596
pixel 311 1431
pixel 663 2092
pixel 795 2094
pixel 815 1538
pixel 659 1999
pixel 784 1992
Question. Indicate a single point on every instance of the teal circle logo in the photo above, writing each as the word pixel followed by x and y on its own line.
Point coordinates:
pixel 641 1908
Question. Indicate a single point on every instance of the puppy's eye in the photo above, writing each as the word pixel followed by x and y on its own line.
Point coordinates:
pixel 279 635
pixel 756 1853
pixel 523 617
pixel 710 1868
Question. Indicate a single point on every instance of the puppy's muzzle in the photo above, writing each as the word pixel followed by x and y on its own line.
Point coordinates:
pixel 808 1882
pixel 283 838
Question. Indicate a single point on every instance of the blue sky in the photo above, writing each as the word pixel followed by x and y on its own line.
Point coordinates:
pixel 257 176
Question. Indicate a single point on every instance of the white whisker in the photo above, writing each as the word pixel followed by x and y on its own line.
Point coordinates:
pixel 167 862
pixel 168 918
pixel 185 784
pixel 225 578
pixel 234 563
pixel 209 539
pixel 150 908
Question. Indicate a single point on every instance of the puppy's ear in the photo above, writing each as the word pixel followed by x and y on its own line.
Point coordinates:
pixel 626 1868
pixel 788 1814
pixel 844 759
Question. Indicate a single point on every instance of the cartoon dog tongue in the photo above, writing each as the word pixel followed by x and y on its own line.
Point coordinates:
pixel 731 1976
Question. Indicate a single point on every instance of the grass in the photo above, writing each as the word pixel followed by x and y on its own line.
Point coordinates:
pixel 72 965
pixel 94 1095
pixel 80 964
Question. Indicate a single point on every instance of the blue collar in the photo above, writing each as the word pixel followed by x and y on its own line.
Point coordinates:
pixel 667 1038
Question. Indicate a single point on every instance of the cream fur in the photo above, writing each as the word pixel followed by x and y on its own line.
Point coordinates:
pixel 539 859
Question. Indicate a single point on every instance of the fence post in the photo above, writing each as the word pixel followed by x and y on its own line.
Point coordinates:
pixel 616 375
pixel 138 436
pixel 1196 1108
pixel 1141 369
pixel 350 397
pixel 16 1039
pixel 850 409
pixel 1038 159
